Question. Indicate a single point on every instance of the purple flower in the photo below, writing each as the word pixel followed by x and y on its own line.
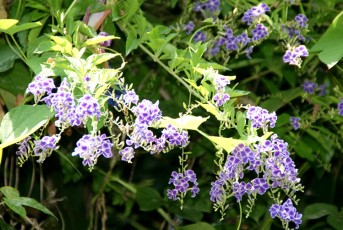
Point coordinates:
pixel 259 32
pixel 248 51
pixel 40 86
pixel 189 27
pixel 181 184
pixel 23 148
pixel 322 89
pixel 130 97
pixel 261 117
pixel 340 108
pixel 243 39
pixel 295 122
pixel 301 20
pixel 146 113
pixel 90 147
pixel 87 107
pixel 221 98
pixel 260 185
pixel 199 36
pixel 220 82
pixel 105 43
pixel 212 5
pixel 175 137
pixel 64 105
pixel 44 147
pixel 287 212
pixel 253 13
pixel 127 154
pixel 309 87
pixel 293 55
pixel 217 190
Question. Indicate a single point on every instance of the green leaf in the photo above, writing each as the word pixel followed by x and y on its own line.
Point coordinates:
pixel 9 192
pixel 330 46
pixel 21 122
pixel 148 199
pixel 97 59
pixel 318 210
pixel 281 98
pixel 15 207
pixel 5 226
pixel 336 220
pixel 9 26
pixel 226 143
pixel 188 122
pixel 132 42
pixel 7 57
pixel 131 6
pixel 97 40
pixel 16 79
pixel 30 202
pixel 197 226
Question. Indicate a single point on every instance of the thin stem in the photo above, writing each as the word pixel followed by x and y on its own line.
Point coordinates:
pixel 18 9
pixel 20 55
pixel 68 10
pixel 240 216
pixel 171 72
pixel 165 216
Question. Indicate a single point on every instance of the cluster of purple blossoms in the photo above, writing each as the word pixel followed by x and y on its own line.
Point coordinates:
pixel 259 32
pixel 44 147
pixel 130 97
pixel 260 117
pixel 199 37
pixel 221 97
pixel 89 148
pixel 301 20
pixel 295 122
pixel 293 55
pixel 189 27
pixel 182 184
pixel 210 6
pixel 286 212
pixel 23 149
pixel 40 86
pixel 147 114
pixel 255 12
pixel 105 43
pixel 340 108
pixel 67 112
pixel 309 87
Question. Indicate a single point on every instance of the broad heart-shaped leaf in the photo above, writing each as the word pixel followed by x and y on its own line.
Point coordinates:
pixel 318 210
pixel 9 192
pixel 9 26
pixel 330 46
pixel 188 122
pixel 21 122
pixel 148 199
pixel 197 226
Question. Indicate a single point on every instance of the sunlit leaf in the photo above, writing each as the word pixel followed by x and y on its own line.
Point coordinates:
pixel 188 122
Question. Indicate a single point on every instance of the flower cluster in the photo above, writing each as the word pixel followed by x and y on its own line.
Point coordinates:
pixel 210 6
pixel 296 27
pixel 286 212
pixel 254 13
pixel 147 114
pixel 189 27
pixel 44 147
pixel 199 37
pixel 260 117
pixel 301 20
pixel 68 113
pixel 39 86
pixel 311 87
pixel 23 150
pixel 271 162
pixel 293 55
pixel 259 32
pixel 90 147
pixel 220 97
pixel 181 184
pixel 295 122
pixel 340 108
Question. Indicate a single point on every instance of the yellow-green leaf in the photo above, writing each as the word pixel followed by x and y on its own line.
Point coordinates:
pixel 97 40
pixel 188 122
